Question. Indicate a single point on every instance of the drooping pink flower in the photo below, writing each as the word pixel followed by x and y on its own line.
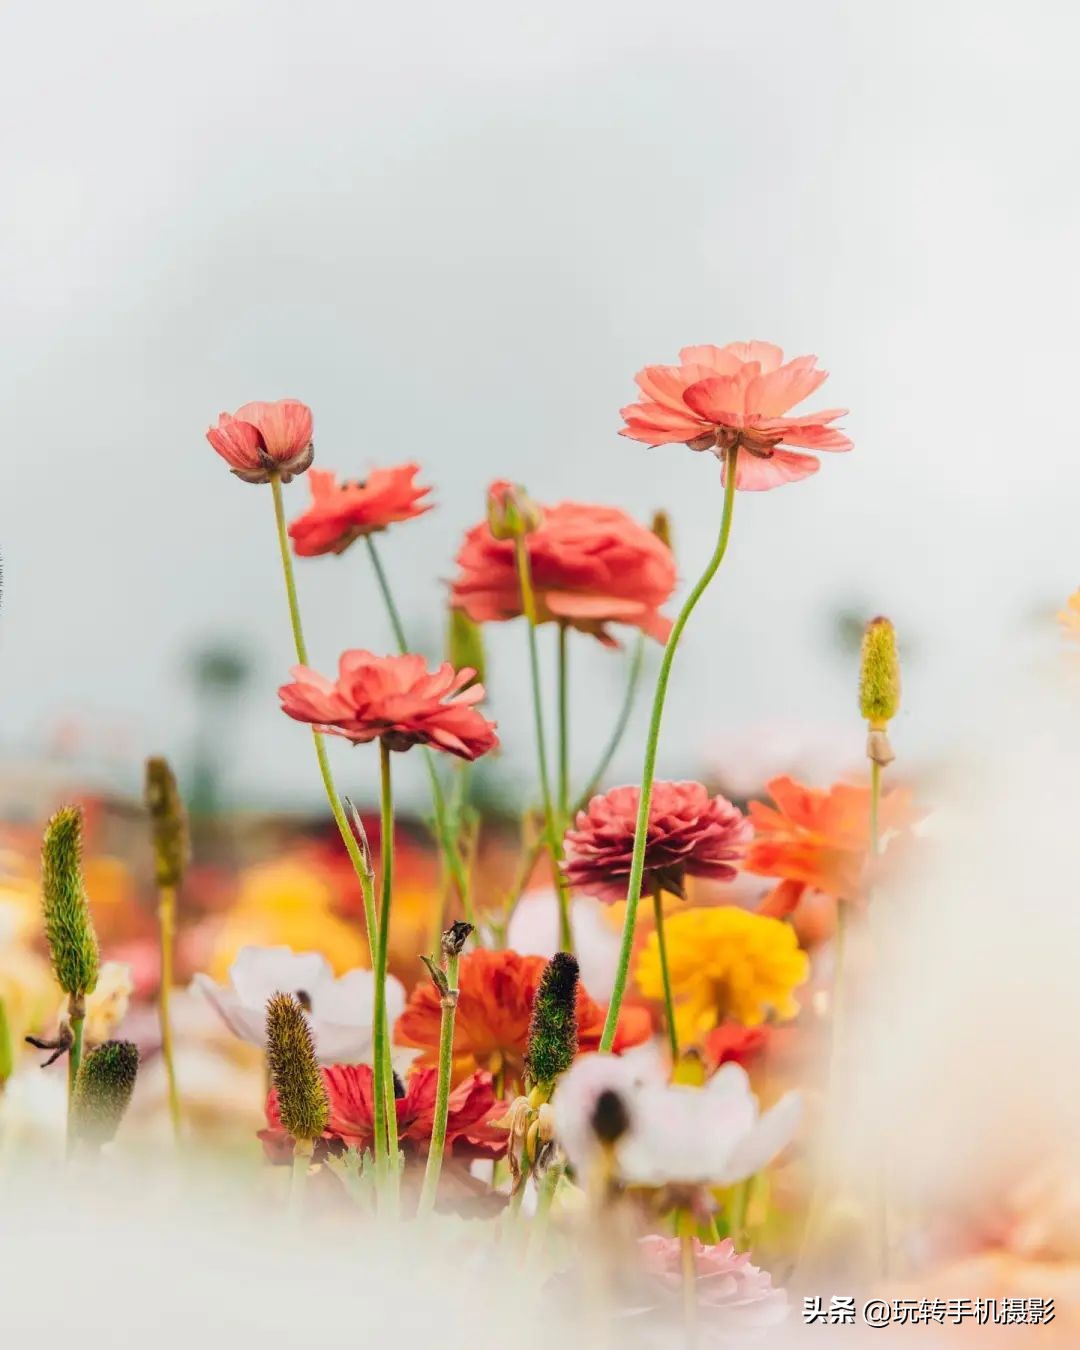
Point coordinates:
pixel 721 397
pixel 261 440
pixel 733 1296
pixel 690 833
pixel 395 699
pixel 591 566
pixel 341 512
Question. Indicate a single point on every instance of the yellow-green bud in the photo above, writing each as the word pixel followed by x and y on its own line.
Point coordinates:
pixel 103 1091
pixel 553 1039
pixel 661 527
pixel 879 674
pixel 511 512
pixel 465 644
pixel 73 943
pixel 290 1053
pixel 168 822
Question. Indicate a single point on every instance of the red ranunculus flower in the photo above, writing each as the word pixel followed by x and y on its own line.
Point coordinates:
pixel 722 397
pixel 470 1133
pixel 263 440
pixel 341 512
pixel 590 566
pixel 689 833
pixel 491 1028
pixel 731 1042
pixel 396 699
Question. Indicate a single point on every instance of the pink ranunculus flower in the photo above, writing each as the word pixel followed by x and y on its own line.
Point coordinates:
pixel 690 833
pixel 718 398
pixel 265 440
pixel 395 699
pixel 341 513
pixel 734 1297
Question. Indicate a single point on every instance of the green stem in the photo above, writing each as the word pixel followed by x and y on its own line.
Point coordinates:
pixel 564 727
pixel 444 835
pixel 352 847
pixel 687 1226
pixel 882 1179
pixel 74 1060
pixel 665 974
pixel 875 803
pixel 442 1090
pixel 382 1030
pixel 551 830
pixel 167 921
pixel 298 1179
pixel 637 864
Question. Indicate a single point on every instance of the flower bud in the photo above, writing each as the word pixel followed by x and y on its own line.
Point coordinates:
pixel 103 1091
pixel 455 937
pixel 290 1053
pixel 511 512
pixel 168 822
pixel 465 645
pixel 553 1038
pixel 879 674
pixel 70 932
pixel 661 527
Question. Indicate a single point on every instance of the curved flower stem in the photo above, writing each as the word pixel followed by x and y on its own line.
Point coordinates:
pixel 167 923
pixel 637 661
pixel 882 1187
pixel 298 1180
pixel 551 826
pixel 637 864
pixel 669 1002
pixel 442 1090
pixel 74 1061
pixel 689 1277
pixel 443 826
pixel 352 847
pixel 564 727
pixel 384 1074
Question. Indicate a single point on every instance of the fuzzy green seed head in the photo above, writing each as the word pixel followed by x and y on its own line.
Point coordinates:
pixel 290 1053
pixel 168 822
pixel 465 644
pixel 879 674
pixel 68 927
pixel 553 1038
pixel 661 527
pixel 103 1091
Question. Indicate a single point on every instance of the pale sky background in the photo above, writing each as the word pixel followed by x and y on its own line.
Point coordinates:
pixel 457 230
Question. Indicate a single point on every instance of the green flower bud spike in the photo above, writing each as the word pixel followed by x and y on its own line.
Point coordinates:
pixel 879 687
pixel 294 1071
pixel 169 835
pixel 73 944
pixel 553 1038
pixel 661 527
pixel 103 1092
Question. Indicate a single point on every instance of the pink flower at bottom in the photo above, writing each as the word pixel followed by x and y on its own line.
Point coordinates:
pixel 733 1295
pixel 265 440
pixel 720 398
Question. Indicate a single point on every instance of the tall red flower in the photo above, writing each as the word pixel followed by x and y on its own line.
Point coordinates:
pixel 721 397
pixel 341 512
pixel 818 839
pixel 261 440
pixel 590 566
pixel 470 1132
pixel 491 1028
pixel 690 833
pixel 395 699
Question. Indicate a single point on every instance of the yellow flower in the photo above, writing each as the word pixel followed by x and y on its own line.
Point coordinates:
pixel 1069 617
pixel 724 963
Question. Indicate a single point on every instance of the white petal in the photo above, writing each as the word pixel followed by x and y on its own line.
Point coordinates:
pixel 773 1132
pixel 259 972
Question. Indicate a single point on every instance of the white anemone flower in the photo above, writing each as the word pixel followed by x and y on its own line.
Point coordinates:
pixel 340 1012
pixel 668 1134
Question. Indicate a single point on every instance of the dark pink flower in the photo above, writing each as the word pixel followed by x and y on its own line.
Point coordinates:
pixel 689 833
pixel 341 512
pixel 263 440
pixel 395 699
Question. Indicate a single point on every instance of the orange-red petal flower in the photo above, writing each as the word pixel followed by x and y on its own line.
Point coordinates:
pixel 341 512
pixel 721 397
pixel 395 699
pixel 590 565
pixel 818 839
pixel 491 1028
pixel 263 440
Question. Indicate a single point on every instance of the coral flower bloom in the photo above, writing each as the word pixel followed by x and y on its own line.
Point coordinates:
pixel 395 699
pixel 491 1029
pixel 718 398
pixel 341 512
pixel 724 963
pixel 690 833
pixel 817 839
pixel 263 440
pixel 590 565
pixel 470 1132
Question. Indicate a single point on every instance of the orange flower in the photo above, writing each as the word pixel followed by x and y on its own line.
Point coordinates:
pixel 341 512
pixel 491 1030
pixel 817 839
